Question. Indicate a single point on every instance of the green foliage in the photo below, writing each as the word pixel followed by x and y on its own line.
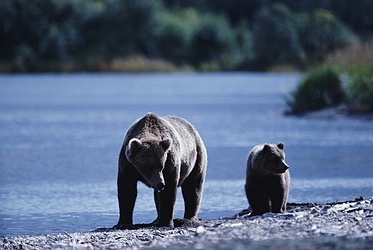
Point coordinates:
pixel 321 32
pixel 275 37
pixel 204 39
pixel 173 34
pixel 212 40
pixel 245 45
pixel 356 61
pixel 121 28
pixel 140 64
pixel 36 30
pixel 320 88
pixel 43 35
pixel 357 15
pixel 361 91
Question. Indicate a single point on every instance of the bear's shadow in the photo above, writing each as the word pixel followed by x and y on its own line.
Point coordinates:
pixel 177 223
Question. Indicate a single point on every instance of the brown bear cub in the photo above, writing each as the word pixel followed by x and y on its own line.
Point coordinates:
pixel 267 179
pixel 164 153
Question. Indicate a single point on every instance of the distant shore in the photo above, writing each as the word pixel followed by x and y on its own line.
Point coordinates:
pixel 344 225
pixel 340 111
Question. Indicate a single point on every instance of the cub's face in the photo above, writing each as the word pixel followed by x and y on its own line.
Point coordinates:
pixel 149 158
pixel 274 158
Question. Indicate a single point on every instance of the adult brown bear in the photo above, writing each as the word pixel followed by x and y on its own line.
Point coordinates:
pixel 164 153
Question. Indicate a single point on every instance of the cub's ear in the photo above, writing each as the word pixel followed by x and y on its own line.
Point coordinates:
pixel 134 146
pixel 166 144
pixel 266 148
pixel 280 145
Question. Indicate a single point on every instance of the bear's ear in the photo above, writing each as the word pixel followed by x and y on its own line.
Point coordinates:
pixel 266 148
pixel 166 144
pixel 134 146
pixel 280 145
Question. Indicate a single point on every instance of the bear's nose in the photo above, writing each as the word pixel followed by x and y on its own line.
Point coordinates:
pixel 160 186
pixel 286 166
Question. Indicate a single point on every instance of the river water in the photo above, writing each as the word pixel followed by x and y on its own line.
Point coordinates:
pixel 60 136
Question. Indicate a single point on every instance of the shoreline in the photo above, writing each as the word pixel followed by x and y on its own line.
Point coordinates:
pixel 341 225
pixel 340 111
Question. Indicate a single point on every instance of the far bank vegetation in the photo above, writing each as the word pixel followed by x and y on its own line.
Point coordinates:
pixel 346 77
pixel 176 35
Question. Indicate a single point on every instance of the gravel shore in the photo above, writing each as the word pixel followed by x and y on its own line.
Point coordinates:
pixel 345 225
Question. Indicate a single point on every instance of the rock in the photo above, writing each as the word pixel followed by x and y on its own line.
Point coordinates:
pixel 200 230
pixel 346 225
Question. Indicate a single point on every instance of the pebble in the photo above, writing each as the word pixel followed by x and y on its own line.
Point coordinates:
pixel 343 225
pixel 200 230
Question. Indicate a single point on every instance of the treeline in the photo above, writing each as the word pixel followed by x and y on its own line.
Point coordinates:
pixel 74 35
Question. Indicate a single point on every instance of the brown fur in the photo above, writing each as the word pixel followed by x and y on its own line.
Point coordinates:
pixel 267 179
pixel 164 153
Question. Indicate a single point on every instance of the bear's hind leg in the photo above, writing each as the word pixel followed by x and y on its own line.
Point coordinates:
pixel 192 189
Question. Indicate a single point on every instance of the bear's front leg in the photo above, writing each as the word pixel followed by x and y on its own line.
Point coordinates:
pixel 279 200
pixel 157 206
pixel 127 193
pixel 167 199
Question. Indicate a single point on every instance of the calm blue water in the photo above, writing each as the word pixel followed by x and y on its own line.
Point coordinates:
pixel 60 136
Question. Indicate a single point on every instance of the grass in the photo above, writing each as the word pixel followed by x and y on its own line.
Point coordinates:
pixel 129 64
pixel 345 76
pixel 319 88
pixel 357 63
pixel 140 64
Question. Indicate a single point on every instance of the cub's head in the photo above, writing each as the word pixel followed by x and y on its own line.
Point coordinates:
pixel 149 157
pixel 272 159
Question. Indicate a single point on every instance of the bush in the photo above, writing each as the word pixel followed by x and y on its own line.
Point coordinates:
pixel 44 29
pixel 356 61
pixel 43 35
pixel 321 33
pixel 120 29
pixel 173 34
pixel 206 41
pixel 319 89
pixel 275 37
pixel 140 64
pixel 360 91
pixel 213 40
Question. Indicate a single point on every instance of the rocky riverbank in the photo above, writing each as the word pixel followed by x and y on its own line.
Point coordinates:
pixel 345 225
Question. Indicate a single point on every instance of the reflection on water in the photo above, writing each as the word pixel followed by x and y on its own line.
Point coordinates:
pixel 61 134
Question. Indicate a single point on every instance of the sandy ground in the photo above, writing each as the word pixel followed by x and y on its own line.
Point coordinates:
pixel 347 225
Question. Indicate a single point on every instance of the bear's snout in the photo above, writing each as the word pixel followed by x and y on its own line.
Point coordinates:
pixel 160 186
pixel 157 181
pixel 284 166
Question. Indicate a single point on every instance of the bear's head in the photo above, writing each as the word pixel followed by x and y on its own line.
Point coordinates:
pixel 273 159
pixel 149 157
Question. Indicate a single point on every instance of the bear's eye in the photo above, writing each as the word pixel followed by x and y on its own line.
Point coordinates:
pixel 270 154
pixel 273 157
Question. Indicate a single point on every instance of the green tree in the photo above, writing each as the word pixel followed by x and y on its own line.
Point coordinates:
pixel 37 31
pixel 213 40
pixel 245 45
pixel 323 33
pixel 121 28
pixel 275 37
pixel 173 34
pixel 357 15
